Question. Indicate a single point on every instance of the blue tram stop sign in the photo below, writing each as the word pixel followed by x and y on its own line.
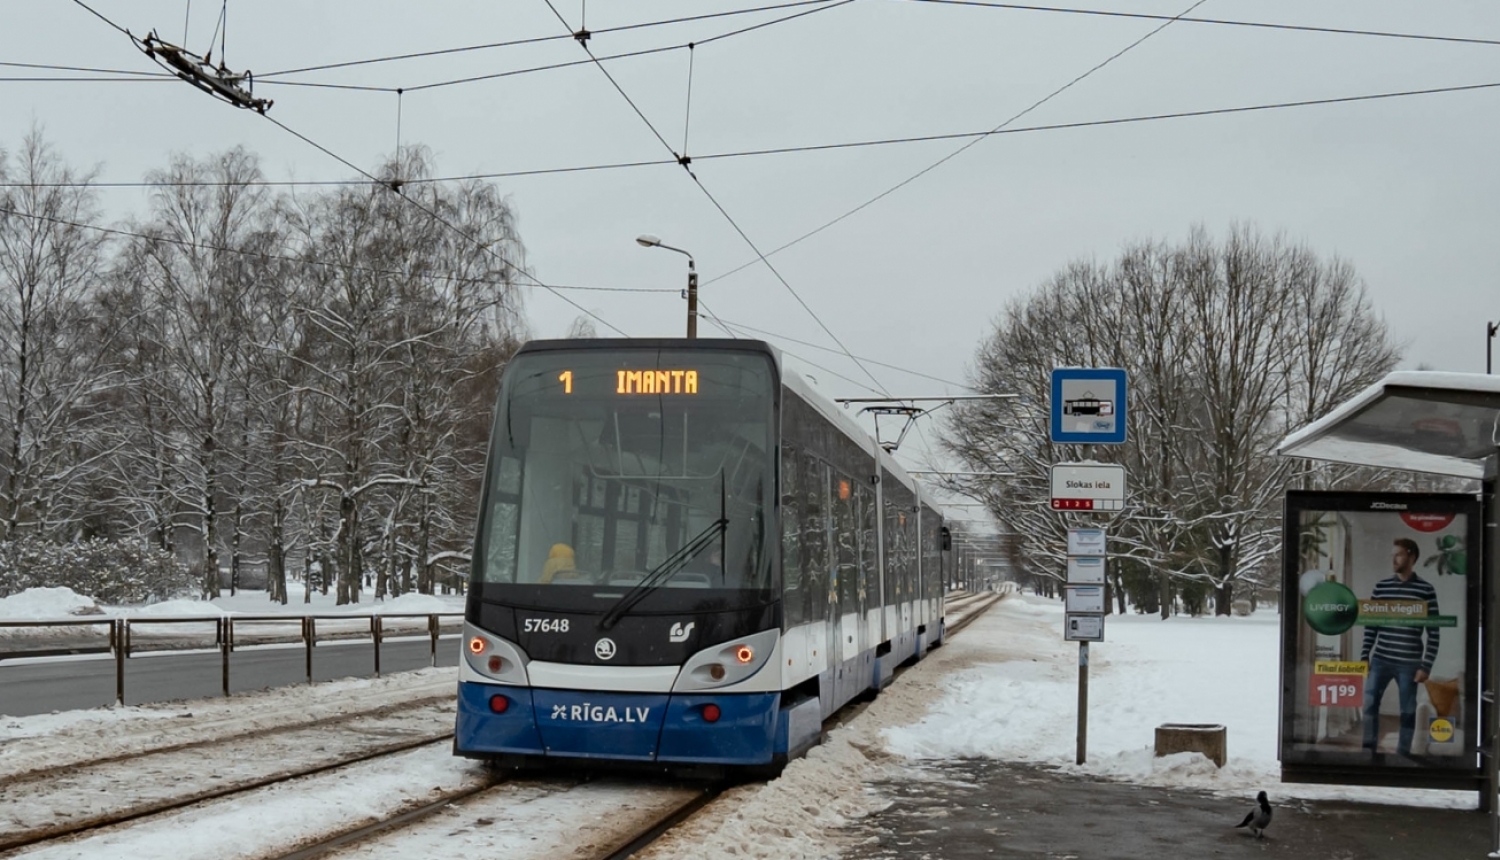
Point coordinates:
pixel 1088 405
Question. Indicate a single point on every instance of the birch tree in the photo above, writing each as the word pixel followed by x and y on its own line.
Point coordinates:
pixel 50 268
pixel 208 230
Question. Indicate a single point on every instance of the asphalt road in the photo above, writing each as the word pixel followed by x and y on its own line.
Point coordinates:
pixel 43 685
pixel 972 809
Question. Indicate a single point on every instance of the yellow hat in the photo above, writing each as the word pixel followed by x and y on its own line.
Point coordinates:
pixel 560 550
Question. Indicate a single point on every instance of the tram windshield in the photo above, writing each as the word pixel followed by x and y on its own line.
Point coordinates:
pixel 620 469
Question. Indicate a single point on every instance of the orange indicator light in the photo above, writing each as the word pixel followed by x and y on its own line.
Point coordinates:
pixel 478 646
pixel 744 654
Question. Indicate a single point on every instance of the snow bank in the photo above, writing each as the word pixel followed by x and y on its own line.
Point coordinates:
pixel 46 603
pixel 184 608
pixel 424 604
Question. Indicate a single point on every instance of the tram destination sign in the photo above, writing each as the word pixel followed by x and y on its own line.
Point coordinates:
pixel 1088 487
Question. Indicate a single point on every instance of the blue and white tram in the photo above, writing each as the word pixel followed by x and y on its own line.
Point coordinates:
pixel 685 557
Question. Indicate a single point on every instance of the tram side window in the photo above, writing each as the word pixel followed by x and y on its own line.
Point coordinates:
pixel 869 576
pixel 892 594
pixel 909 561
pixel 846 539
pixel 796 603
pixel 505 520
pixel 932 554
pixel 814 484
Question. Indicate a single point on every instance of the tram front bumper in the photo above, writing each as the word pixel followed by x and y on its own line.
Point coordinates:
pixel 623 726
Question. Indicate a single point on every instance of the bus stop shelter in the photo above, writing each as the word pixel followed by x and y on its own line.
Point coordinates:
pixel 1434 423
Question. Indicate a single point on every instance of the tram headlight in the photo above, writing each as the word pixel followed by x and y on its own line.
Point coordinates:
pixel 727 663
pixel 488 658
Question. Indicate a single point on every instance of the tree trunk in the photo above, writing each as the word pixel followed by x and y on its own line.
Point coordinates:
pixel 351 562
pixel 1164 593
pixel 276 557
pixel 1224 602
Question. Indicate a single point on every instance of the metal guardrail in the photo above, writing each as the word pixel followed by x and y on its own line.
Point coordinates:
pixel 224 637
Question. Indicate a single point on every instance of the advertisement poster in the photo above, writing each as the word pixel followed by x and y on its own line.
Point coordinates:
pixel 1380 639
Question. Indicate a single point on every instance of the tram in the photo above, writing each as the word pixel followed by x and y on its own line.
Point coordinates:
pixel 685 556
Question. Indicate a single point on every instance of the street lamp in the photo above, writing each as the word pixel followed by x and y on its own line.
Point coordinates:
pixel 691 294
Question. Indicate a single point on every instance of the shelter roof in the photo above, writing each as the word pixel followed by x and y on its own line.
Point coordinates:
pixel 1416 420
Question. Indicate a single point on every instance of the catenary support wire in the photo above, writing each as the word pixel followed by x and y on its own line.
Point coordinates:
pixel 959 151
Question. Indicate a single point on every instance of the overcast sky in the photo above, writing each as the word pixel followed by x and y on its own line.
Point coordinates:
pixel 1403 188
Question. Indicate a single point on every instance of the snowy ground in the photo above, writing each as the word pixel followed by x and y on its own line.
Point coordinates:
pixel 163 624
pixel 64 603
pixel 1004 688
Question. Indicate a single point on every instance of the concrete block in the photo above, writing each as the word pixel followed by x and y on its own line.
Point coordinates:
pixel 1207 738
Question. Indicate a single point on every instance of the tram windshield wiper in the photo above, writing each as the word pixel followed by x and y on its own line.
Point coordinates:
pixel 662 572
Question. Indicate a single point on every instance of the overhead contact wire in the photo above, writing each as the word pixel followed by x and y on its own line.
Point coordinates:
pixel 534 40
pixel 441 220
pixel 954 154
pixel 684 161
pixel 792 150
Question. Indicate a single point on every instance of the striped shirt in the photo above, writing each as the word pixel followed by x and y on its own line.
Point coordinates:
pixel 1403 644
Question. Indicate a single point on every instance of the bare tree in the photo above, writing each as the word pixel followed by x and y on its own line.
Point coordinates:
pixel 208 232
pixel 421 286
pixel 49 270
pixel 1228 345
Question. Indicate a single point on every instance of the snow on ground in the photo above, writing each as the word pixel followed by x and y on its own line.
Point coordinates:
pixel 1018 701
pixel 62 603
pixel 1004 688
pixel 68 737
pixel 162 621
pixel 279 818
pixel 38 603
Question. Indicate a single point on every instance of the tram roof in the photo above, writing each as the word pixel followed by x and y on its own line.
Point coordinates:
pixel 1419 421
pixel 588 343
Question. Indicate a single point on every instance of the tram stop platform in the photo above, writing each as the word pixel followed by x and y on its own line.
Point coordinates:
pixel 989 809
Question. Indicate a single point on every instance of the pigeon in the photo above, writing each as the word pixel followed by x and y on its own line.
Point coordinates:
pixel 1258 819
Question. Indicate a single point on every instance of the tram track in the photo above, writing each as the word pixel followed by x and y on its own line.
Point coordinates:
pixel 622 845
pixel 651 811
pixel 65 802
pixel 485 802
pixel 38 756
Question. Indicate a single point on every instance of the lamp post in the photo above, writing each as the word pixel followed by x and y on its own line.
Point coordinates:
pixel 691 294
pixel 1490 330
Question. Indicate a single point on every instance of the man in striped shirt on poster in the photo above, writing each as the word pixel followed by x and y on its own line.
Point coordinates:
pixel 1398 653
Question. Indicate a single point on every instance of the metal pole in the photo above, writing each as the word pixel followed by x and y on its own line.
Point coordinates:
pixel 310 631
pixel 119 633
pixel 1083 702
pixel 375 631
pixel 227 625
pixel 1490 330
pixel 692 297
